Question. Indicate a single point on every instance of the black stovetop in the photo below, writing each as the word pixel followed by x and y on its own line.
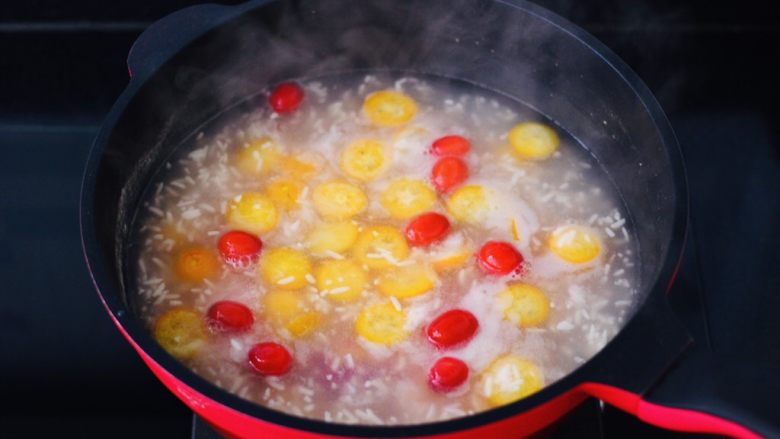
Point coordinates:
pixel 67 371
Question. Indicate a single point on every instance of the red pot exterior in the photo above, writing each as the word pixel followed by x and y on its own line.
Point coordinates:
pixel 667 417
pixel 232 423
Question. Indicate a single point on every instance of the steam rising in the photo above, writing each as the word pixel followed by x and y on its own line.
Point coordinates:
pixel 518 50
pixel 478 41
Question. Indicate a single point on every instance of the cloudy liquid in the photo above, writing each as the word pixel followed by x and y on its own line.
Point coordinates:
pixel 336 375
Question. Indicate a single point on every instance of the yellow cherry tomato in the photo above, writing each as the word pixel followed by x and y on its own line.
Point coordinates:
pixel 193 264
pixel 389 108
pixel 405 198
pixel 335 237
pixel 285 193
pixel 524 305
pixel 252 212
pixel 407 281
pixel 451 260
pixel 181 332
pixel 364 159
pixel 575 244
pixel 380 247
pixel 382 324
pixel 468 204
pixel 342 279
pixel 282 306
pixel 339 200
pixel 510 378
pixel 533 141
pixel 296 168
pixel 286 308
pixel 304 324
pixel 285 268
pixel 259 157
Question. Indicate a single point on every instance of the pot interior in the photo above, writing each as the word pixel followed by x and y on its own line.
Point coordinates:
pixel 512 50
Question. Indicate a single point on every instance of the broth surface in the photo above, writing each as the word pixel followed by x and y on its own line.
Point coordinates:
pixel 338 375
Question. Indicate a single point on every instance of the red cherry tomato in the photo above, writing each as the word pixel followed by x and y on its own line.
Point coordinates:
pixel 286 97
pixel 239 249
pixel 447 374
pixel 448 173
pixel 427 228
pixel 270 359
pixel 229 316
pixel 452 328
pixel 499 258
pixel 451 145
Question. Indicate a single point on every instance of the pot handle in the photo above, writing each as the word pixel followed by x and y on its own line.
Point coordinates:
pixel 168 35
pixel 665 379
pixel 711 392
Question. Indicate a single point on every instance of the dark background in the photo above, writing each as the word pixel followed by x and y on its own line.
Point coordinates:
pixel 65 369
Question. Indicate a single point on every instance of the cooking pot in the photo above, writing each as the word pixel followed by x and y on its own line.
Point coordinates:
pixel 196 63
